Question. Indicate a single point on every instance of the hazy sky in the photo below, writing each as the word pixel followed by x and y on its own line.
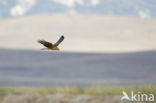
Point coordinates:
pixel 139 8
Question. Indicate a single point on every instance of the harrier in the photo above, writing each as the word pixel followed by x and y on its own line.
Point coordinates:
pixel 50 46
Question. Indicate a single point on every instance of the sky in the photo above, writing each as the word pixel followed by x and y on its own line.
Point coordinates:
pixel 139 8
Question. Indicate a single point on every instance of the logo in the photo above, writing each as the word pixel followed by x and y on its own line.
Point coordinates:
pixel 137 97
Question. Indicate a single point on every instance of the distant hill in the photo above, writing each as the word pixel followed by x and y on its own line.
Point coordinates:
pixel 140 8
pixel 83 33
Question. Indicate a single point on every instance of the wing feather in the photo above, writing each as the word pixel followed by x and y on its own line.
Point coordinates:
pixel 45 43
pixel 59 41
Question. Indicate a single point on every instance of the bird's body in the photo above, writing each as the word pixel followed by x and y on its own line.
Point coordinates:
pixel 50 46
pixel 53 48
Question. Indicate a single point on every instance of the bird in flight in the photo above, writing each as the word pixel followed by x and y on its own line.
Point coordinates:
pixel 50 46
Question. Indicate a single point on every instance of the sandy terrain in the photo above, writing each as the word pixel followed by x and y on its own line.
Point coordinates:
pixel 83 33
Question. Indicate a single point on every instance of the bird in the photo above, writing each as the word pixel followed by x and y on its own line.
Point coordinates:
pixel 50 46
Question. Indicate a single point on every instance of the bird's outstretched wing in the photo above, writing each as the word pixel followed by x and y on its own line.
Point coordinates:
pixel 46 44
pixel 59 41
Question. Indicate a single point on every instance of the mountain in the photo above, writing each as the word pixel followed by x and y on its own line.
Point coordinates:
pixel 83 33
pixel 139 8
